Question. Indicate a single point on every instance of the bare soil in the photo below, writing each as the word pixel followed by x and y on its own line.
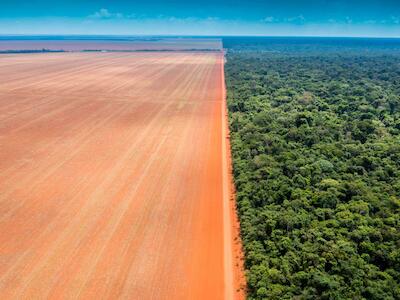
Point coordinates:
pixel 112 177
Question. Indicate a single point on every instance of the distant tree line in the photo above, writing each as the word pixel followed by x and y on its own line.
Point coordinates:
pixel 316 153
pixel 29 51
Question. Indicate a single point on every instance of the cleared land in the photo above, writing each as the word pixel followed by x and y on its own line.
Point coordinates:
pixel 116 45
pixel 111 176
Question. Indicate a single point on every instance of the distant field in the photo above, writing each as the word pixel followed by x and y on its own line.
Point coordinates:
pixel 111 176
pixel 160 44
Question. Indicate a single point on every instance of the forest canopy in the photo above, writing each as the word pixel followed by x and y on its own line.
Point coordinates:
pixel 315 140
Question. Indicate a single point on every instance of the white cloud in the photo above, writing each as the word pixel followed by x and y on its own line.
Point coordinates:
pixel 348 20
pixel 131 16
pixel 179 20
pixel 212 19
pixel 174 19
pixel 269 19
pixel 297 20
pixel 104 13
pixel 395 20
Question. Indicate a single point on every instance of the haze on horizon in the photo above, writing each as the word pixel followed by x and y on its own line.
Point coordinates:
pixel 368 18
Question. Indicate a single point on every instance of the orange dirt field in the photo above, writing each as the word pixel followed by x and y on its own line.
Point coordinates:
pixel 114 177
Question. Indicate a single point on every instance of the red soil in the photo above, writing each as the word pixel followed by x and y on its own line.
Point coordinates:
pixel 111 177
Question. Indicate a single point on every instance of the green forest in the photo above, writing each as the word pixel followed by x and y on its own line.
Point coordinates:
pixel 315 140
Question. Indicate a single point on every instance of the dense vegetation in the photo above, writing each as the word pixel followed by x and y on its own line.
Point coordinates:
pixel 316 150
pixel 295 46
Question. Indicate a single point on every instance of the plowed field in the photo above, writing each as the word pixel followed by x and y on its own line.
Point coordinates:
pixel 111 176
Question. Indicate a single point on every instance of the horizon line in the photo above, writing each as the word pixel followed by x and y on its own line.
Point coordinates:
pixel 195 35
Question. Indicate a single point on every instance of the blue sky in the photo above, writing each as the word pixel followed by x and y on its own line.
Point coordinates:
pixel 379 18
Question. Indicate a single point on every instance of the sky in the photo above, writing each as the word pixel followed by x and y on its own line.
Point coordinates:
pixel 366 18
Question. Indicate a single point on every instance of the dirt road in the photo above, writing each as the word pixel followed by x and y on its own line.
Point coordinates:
pixel 111 176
